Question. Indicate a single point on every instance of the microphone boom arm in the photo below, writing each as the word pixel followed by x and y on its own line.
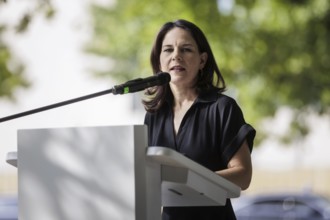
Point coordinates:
pixel 128 87
pixel 56 105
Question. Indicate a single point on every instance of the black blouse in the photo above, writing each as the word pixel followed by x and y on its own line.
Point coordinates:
pixel 210 133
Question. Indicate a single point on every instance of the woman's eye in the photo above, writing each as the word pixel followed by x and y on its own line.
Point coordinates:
pixel 186 49
pixel 167 50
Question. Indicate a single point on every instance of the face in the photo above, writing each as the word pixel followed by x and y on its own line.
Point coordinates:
pixel 181 58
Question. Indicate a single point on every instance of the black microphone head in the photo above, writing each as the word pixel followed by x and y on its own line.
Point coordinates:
pixel 141 84
pixel 164 77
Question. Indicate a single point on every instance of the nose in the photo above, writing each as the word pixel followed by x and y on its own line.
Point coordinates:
pixel 176 55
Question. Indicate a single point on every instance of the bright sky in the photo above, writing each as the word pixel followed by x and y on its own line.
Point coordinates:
pixel 59 71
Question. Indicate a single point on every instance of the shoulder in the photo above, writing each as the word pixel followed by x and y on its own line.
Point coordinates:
pixel 160 114
pixel 217 99
pixel 225 100
pixel 218 103
pixel 222 100
pixel 224 105
pixel 215 96
pixel 227 106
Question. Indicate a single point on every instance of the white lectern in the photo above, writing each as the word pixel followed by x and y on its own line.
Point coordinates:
pixel 107 172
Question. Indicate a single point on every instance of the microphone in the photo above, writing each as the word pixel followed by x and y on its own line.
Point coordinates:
pixel 141 84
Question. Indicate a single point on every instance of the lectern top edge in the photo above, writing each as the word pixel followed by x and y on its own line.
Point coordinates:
pixel 167 156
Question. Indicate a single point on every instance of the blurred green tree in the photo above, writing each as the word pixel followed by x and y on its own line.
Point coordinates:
pixel 11 68
pixel 272 53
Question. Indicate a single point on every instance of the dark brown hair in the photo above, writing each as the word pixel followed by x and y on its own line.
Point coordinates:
pixel 209 77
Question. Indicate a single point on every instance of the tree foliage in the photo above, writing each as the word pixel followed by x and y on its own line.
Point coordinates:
pixel 11 69
pixel 272 53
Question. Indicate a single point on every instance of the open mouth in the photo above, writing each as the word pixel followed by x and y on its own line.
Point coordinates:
pixel 177 68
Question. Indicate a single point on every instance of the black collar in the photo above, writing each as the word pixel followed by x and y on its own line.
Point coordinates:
pixel 206 96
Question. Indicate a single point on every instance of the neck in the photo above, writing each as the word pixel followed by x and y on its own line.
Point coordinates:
pixel 183 96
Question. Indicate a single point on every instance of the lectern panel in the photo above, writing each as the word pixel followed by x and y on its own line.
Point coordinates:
pixel 82 173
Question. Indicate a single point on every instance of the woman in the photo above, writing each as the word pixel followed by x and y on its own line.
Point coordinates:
pixel 193 116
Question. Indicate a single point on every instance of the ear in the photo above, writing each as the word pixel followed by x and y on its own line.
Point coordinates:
pixel 203 57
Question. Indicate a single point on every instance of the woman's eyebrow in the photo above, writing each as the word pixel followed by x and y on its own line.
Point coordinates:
pixel 183 45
